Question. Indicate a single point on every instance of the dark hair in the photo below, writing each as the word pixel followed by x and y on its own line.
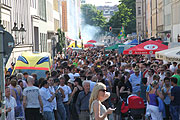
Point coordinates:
pixel 25 73
pixel 54 73
pixel 40 81
pixel 166 78
pixel 144 80
pixel 79 81
pixel 34 75
pixel 43 83
pixel 116 73
pixel 89 77
pixel 56 80
pixel 47 72
pixel 122 79
pixel 20 82
pixel 174 80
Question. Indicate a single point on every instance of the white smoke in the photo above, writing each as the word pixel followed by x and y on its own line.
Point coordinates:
pixel 73 19
pixel 89 32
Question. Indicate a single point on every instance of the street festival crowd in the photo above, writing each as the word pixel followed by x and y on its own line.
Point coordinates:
pixel 95 85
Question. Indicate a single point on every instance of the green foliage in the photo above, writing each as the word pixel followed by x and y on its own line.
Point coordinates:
pixel 61 40
pixel 92 16
pixel 120 18
pixel 126 16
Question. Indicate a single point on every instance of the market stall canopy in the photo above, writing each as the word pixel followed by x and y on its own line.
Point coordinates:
pixel 88 45
pixel 170 55
pixel 91 41
pixel 99 44
pixel 148 47
pixel 128 41
pixel 114 46
pixel 73 45
pixel 133 42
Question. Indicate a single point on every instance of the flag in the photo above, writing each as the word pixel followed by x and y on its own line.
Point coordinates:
pixel 122 33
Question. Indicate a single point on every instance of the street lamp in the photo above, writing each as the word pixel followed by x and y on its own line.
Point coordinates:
pixel 22 32
pixel 16 31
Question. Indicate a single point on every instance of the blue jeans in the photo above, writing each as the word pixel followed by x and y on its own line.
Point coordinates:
pixel 175 112
pixel 48 115
pixel 67 111
pixel 61 111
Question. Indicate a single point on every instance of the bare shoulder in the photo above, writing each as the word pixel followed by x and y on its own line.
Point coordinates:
pixel 96 103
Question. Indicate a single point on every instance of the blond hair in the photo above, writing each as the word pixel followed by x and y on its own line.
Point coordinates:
pixel 95 92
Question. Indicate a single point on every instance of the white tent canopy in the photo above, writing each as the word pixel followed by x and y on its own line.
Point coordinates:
pixel 128 41
pixel 170 55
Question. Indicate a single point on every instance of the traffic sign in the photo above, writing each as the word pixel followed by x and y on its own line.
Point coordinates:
pixel 8 43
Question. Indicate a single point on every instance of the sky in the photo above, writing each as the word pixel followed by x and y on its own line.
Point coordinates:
pixel 103 2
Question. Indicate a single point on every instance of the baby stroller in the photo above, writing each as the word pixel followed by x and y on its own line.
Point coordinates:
pixel 136 107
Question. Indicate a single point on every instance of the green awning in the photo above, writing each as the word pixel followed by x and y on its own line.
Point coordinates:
pixel 114 46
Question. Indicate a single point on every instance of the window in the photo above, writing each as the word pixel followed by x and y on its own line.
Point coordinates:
pixel 55 5
pixel 106 12
pixel 112 12
pixel 139 10
pixel 6 2
pixel 139 26
pixel 33 3
pixel 42 9
pixel 49 11
pixel 43 40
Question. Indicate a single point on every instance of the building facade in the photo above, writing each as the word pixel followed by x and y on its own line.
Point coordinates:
pixel 161 19
pixel 40 18
pixel 108 11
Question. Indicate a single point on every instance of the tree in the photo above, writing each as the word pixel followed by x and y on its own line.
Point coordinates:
pixel 120 18
pixel 125 16
pixel 131 4
pixel 61 40
pixel 92 16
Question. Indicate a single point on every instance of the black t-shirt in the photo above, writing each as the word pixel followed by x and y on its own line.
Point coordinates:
pixel 175 91
pixel 116 81
pixel 123 95
pixel 128 85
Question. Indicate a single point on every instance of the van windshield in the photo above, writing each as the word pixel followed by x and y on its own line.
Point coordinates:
pixel 40 73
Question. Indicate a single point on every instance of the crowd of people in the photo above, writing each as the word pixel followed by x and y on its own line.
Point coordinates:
pixel 84 84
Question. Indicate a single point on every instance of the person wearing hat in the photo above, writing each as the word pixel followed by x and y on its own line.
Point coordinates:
pixel 135 80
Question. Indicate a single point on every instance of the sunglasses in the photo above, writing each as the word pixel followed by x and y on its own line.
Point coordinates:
pixel 103 90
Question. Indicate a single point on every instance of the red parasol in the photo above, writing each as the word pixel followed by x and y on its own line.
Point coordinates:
pixel 88 45
pixel 149 47
pixel 159 41
pixel 92 41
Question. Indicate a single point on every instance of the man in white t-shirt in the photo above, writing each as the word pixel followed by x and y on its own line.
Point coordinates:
pixel 173 67
pixel 10 104
pixel 67 92
pixel 32 100
pixel 51 90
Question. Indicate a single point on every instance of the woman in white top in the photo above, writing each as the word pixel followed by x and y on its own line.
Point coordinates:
pixel 97 109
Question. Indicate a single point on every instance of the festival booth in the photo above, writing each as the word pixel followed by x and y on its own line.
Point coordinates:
pixel 128 41
pixel 113 47
pixel 148 47
pixel 170 55
pixel 91 41
pixel 88 45
pixel 134 42
pixel 73 45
